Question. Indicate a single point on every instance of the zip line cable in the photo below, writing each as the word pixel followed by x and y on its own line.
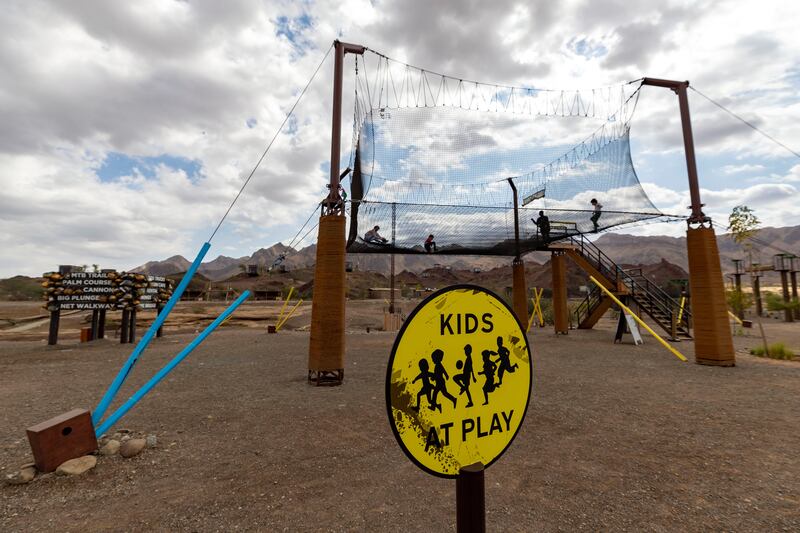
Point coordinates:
pixel 734 115
pixel 291 244
pixel 285 120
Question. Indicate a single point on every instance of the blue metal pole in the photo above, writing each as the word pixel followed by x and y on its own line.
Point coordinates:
pixel 133 400
pixel 108 397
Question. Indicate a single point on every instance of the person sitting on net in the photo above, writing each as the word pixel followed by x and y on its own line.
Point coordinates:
pixel 373 237
pixel 543 223
pixel 598 210
pixel 430 244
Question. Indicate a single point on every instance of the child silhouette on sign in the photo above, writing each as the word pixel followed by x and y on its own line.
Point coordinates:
pixel 427 388
pixel 440 378
pixel 463 379
pixel 503 361
pixel 488 372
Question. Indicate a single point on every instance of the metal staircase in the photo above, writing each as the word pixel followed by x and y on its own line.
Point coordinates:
pixel 625 284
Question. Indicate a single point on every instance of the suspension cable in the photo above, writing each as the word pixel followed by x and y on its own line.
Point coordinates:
pixel 291 244
pixel 263 155
pixel 734 115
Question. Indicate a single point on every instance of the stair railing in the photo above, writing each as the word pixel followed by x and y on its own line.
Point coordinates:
pixel 641 288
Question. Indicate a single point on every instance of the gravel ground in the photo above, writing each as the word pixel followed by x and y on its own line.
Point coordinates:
pixel 617 437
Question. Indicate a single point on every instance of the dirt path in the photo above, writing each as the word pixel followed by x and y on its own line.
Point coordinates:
pixel 616 438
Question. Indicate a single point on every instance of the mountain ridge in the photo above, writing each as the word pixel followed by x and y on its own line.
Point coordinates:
pixel 621 248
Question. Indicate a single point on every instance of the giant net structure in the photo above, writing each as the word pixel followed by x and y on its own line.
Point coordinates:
pixel 437 155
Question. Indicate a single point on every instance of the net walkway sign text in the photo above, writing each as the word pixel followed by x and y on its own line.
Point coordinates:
pixel 107 290
pixel 459 380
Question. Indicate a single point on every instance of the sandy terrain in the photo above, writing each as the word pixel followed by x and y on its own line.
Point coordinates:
pixel 617 437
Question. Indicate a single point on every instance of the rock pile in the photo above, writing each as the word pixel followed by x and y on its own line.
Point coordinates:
pixel 121 443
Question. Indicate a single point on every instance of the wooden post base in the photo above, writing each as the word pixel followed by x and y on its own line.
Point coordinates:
pixel 326 344
pixel 392 321
pixel 62 438
pixel 329 378
pixel 713 343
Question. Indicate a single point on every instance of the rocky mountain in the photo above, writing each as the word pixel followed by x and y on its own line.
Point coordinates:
pixel 623 249
pixel 176 263
pixel 223 267
pixel 634 249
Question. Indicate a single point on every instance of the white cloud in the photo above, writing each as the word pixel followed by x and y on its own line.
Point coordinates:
pixel 210 82
pixel 736 169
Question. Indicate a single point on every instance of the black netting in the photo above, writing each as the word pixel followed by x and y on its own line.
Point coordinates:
pixel 445 166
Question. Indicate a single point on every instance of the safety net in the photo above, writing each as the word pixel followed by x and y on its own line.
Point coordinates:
pixel 445 160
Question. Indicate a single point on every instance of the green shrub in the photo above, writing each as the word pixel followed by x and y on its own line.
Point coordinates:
pixel 775 302
pixel 738 301
pixel 20 288
pixel 777 350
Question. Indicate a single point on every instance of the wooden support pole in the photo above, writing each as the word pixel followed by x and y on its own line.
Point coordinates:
pixel 788 316
pixel 125 328
pixel 326 345
pixel 560 309
pixel 101 329
pixel 391 260
pixel 793 276
pixel 160 330
pixel 737 281
pixel 55 318
pixel 471 500
pixel 713 340
pixel 757 296
pixel 95 324
pixel 132 334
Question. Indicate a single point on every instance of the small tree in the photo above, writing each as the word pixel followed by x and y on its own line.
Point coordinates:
pixel 738 301
pixel 743 225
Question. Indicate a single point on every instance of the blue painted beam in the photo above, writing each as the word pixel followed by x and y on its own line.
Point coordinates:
pixel 147 387
pixel 122 375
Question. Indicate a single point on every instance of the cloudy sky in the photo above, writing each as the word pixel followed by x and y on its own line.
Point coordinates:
pixel 128 127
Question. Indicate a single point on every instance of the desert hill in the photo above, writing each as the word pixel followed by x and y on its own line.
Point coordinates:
pixel 633 249
pixel 622 248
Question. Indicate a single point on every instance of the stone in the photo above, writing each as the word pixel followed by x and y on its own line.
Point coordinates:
pixel 110 448
pixel 152 441
pixel 132 447
pixel 25 475
pixel 76 467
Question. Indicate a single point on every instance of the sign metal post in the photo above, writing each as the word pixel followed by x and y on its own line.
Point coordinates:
pixel 471 500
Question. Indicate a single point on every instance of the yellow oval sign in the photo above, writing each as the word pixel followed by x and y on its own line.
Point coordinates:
pixel 459 380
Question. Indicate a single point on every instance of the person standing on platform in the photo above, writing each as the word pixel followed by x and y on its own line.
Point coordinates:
pixel 598 211
pixel 430 244
pixel 543 223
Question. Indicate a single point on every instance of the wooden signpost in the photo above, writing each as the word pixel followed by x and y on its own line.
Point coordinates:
pixel 457 389
pixel 101 292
